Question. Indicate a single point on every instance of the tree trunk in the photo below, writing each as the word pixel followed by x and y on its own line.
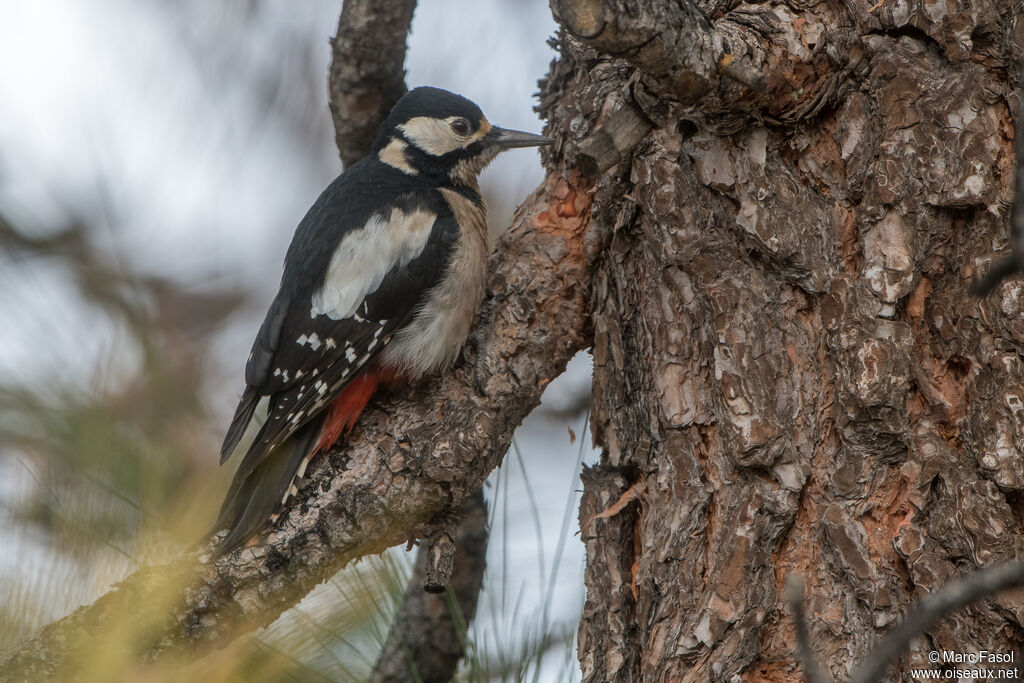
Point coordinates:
pixel 766 218
pixel 790 377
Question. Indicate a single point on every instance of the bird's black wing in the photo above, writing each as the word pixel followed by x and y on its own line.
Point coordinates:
pixel 302 359
pixel 257 370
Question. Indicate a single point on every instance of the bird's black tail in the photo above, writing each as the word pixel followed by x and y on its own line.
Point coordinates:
pixel 253 498
pixel 243 415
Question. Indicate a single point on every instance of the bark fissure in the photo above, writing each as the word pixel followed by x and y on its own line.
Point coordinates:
pixel 784 347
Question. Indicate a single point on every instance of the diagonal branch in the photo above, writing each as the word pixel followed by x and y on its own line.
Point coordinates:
pixel 951 597
pixel 414 460
pixel 948 599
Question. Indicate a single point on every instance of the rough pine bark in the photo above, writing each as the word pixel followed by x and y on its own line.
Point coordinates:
pixel 764 218
pixel 790 376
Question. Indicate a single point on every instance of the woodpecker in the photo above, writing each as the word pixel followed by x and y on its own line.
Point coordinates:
pixel 381 282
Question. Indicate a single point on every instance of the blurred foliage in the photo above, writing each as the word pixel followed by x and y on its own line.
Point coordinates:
pixel 118 475
pixel 111 456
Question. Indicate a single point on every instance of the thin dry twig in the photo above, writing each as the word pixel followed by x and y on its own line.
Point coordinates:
pixel 794 596
pixel 951 597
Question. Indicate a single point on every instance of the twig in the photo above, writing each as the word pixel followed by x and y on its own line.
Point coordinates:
pixel 949 598
pixel 612 142
pixel 794 597
pixel 428 635
pixel 440 559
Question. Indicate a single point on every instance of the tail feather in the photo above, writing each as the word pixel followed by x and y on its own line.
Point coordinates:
pixel 254 497
pixel 243 415
pixel 266 474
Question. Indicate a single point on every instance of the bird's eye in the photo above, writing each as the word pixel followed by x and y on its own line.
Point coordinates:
pixel 460 126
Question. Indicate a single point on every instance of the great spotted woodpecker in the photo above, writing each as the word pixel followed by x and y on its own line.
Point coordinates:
pixel 380 285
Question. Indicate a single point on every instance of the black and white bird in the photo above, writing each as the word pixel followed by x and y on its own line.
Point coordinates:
pixel 380 285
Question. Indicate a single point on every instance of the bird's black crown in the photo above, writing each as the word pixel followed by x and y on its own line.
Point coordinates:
pixel 434 103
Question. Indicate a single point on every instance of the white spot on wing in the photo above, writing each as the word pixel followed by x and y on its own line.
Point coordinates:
pixel 302 467
pixel 365 256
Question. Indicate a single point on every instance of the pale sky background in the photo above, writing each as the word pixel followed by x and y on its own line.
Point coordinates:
pixel 152 118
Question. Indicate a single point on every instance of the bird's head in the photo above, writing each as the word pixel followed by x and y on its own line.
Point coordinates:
pixel 444 137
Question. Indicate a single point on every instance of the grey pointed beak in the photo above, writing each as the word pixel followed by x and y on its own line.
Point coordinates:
pixel 508 139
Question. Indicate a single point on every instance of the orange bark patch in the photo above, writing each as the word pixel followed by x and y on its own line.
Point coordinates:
pixel 917 299
pixel 884 522
pixel 567 212
pixel 849 242
pixel 631 494
pixel 775 672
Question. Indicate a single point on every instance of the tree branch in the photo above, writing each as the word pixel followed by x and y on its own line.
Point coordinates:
pixel 948 599
pixel 951 597
pixel 428 635
pixel 367 74
pixel 794 595
pixel 414 458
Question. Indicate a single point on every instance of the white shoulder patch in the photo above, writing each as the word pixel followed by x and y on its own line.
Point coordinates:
pixel 365 256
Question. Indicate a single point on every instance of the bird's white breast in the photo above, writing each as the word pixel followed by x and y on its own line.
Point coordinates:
pixel 437 332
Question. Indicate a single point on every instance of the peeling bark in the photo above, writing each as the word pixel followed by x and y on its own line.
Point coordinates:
pixel 789 372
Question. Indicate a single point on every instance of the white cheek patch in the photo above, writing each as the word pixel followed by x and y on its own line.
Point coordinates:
pixel 436 137
pixel 365 256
